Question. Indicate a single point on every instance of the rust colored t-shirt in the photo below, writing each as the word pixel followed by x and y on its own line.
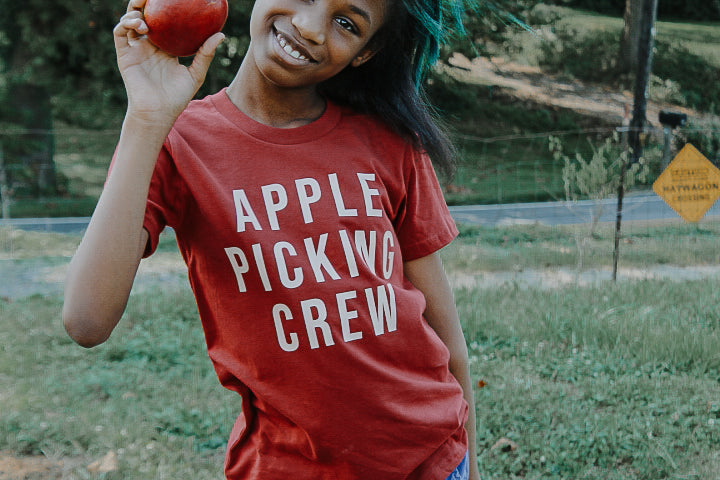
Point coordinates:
pixel 295 241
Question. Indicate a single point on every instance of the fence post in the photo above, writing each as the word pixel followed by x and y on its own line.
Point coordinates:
pixel 4 189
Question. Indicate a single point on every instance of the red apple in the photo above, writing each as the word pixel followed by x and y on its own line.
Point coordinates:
pixel 180 27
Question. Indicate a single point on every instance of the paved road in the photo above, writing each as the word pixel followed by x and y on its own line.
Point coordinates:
pixel 638 207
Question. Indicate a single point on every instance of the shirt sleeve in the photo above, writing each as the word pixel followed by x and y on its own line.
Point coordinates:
pixel 165 199
pixel 424 225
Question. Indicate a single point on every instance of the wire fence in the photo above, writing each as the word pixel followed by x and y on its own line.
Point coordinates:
pixel 70 165
pixel 512 197
pixel 523 168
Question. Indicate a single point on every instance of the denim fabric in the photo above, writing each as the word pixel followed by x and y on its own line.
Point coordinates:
pixel 462 472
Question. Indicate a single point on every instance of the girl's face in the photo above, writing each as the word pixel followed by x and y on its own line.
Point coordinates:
pixel 301 43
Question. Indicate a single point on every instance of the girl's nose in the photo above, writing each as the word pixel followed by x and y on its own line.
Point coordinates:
pixel 310 23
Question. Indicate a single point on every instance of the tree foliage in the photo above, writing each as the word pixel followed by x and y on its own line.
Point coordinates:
pixel 703 10
pixel 67 49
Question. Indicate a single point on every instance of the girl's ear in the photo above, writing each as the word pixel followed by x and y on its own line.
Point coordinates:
pixel 363 57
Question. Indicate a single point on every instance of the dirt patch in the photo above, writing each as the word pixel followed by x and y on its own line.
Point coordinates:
pixel 30 468
pixel 555 278
pixel 39 467
pixel 25 277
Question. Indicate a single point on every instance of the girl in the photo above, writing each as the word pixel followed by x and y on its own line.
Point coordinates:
pixel 309 215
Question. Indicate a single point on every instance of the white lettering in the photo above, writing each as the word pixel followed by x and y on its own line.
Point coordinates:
pixel 349 254
pixel 282 266
pixel 306 198
pixel 318 259
pixel 244 212
pixel 366 248
pixel 294 343
pixel 234 254
pixel 368 193
pixel 312 323
pixel 337 195
pixel 272 206
pixel 384 311
pixel 387 254
pixel 347 315
pixel 262 270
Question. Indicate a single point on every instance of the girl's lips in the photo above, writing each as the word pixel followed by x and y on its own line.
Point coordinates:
pixel 288 45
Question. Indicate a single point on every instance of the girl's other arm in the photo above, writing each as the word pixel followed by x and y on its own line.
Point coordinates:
pixel 428 275
pixel 103 269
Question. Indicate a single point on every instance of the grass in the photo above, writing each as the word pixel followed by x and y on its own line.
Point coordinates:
pixel 605 382
pixel 610 381
pixel 63 401
pixel 512 248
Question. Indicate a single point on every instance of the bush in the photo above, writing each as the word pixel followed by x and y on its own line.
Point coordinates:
pixel 697 78
pixel 703 10
pixel 705 138
pixel 679 76
pixel 590 57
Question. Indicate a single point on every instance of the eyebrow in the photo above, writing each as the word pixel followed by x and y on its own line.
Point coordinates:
pixel 361 12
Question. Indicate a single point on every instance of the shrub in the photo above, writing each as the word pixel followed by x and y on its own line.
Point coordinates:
pixel 591 57
pixel 697 78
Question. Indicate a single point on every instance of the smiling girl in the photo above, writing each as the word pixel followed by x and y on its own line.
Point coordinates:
pixel 307 209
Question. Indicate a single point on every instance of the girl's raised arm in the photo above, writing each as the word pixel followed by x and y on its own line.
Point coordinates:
pixel 103 269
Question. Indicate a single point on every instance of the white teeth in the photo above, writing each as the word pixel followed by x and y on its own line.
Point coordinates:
pixel 292 52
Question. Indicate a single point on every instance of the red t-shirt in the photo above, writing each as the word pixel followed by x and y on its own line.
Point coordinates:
pixel 295 241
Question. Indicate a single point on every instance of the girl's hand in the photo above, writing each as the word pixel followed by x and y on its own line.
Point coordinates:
pixel 158 86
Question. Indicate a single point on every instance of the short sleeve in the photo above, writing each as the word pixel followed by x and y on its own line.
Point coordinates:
pixel 424 225
pixel 165 200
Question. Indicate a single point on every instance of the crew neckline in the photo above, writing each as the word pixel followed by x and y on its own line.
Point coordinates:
pixel 281 136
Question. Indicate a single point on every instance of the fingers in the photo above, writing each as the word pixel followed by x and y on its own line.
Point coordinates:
pixel 204 56
pixel 136 5
pixel 130 27
pixel 132 24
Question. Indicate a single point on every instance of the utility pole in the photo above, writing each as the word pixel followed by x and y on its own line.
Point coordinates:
pixel 639 119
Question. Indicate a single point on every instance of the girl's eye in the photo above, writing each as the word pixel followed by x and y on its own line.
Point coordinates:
pixel 346 24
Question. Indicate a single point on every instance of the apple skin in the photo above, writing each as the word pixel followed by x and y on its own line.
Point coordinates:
pixel 180 27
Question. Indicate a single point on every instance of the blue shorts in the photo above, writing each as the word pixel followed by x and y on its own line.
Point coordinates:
pixel 462 472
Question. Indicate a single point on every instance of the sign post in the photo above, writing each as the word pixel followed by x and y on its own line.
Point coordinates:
pixel 690 184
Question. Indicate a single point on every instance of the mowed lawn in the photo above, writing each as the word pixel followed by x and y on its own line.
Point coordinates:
pixel 610 381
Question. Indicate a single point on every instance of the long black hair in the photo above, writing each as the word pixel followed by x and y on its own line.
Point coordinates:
pixel 390 84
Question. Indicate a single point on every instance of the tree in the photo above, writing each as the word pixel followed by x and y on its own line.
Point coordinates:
pixel 49 49
pixel 630 38
pixel 57 62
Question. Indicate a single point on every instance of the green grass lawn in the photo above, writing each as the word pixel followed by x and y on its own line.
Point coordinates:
pixel 612 382
pixel 603 382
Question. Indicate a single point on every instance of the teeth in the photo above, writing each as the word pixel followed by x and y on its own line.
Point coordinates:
pixel 286 46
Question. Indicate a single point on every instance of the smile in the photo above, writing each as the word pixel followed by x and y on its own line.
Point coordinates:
pixel 290 49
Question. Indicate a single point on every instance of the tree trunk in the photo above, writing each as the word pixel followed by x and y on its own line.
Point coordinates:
pixel 4 188
pixel 630 39
pixel 29 156
pixel 34 150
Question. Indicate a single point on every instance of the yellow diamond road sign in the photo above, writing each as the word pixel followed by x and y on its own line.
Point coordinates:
pixel 690 184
